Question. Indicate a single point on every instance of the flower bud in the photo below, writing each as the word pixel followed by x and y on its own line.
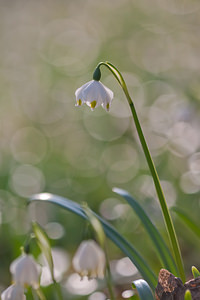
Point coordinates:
pixel 25 271
pixel 13 292
pixel 97 74
pixel 89 260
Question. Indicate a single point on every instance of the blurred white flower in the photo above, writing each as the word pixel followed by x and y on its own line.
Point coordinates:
pixel 13 292
pixel 89 260
pixel 94 94
pixel 25 271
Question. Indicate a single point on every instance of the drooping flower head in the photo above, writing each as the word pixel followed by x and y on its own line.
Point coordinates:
pixel 94 93
pixel 25 271
pixel 13 292
pixel 89 260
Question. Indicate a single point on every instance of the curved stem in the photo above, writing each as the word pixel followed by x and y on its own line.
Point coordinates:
pixel 163 204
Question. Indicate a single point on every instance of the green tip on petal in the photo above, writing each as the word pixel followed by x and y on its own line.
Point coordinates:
pixel 97 74
pixel 79 102
pixel 107 106
pixel 93 104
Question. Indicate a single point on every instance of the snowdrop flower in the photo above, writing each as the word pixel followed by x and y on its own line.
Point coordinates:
pixel 25 271
pixel 89 260
pixel 13 292
pixel 94 94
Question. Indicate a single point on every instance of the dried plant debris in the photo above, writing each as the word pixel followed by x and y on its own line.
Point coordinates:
pixel 172 288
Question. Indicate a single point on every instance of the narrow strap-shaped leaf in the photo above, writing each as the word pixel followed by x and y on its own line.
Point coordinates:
pixel 187 220
pixel 143 289
pixel 160 246
pixel 44 245
pixel 131 252
pixel 110 231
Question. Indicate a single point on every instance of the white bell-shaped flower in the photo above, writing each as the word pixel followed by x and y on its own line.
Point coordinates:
pixel 13 292
pixel 25 271
pixel 94 94
pixel 89 260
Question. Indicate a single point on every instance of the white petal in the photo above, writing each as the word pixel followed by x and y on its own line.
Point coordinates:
pixel 94 94
pixel 89 259
pixel 79 91
pixel 13 292
pixel 81 88
pixel 25 271
pixel 110 93
pixel 108 99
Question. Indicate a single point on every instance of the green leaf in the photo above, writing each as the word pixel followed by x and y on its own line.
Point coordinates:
pixel 44 245
pixel 110 231
pixel 160 246
pixel 143 289
pixel 195 272
pixel 187 220
pixel 40 294
pixel 134 297
pixel 188 295
pixel 96 225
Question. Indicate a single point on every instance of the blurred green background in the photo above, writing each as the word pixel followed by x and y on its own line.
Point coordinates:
pixel 47 50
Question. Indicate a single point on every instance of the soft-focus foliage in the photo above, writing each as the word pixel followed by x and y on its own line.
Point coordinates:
pixel 47 50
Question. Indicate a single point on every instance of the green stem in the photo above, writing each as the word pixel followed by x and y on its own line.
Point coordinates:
pixel 40 294
pixel 58 290
pixel 163 204
pixel 100 235
pixel 109 276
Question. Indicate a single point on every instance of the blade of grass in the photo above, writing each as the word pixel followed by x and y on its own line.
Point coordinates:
pixel 110 231
pixel 160 246
pixel 187 220
pixel 143 289
pixel 44 245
